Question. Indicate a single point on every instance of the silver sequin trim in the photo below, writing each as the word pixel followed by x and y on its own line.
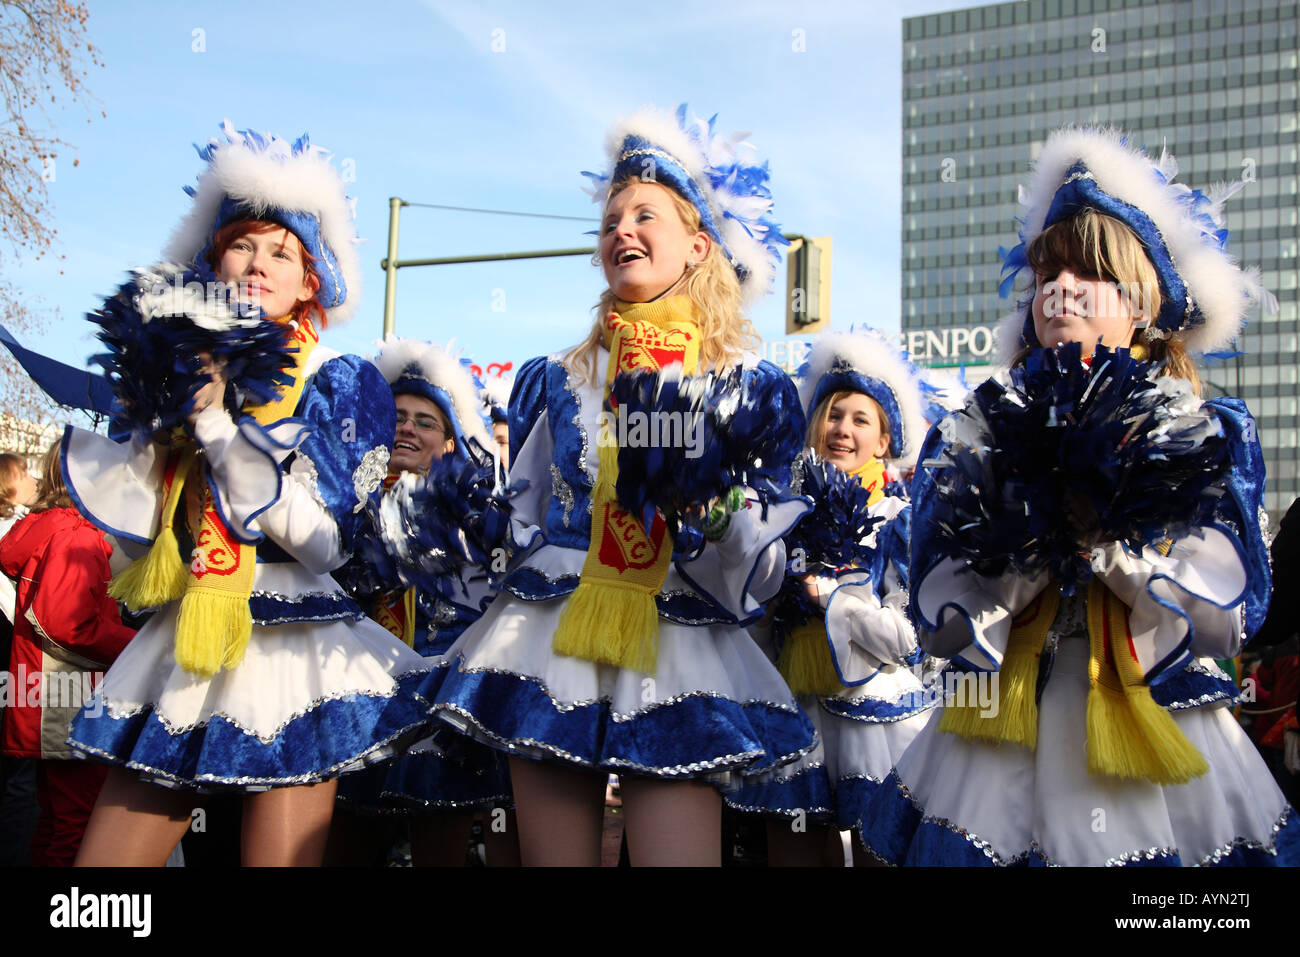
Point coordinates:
pixel 1147 854
pixel 1208 698
pixel 577 424
pixel 176 730
pixel 1142 854
pixel 1219 853
pixel 615 715
pixel 471 726
pixel 817 814
pixel 561 490
pixel 305 468
pixel 412 804
pixel 375 754
pixel 343 614
pixel 369 474
pixel 280 596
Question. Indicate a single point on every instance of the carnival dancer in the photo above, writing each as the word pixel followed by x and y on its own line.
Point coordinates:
pixel 1086 538
pixel 438 415
pixel 619 649
pixel 256 672
pixel 846 644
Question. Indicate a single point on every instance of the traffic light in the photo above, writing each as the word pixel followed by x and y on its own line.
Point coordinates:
pixel 808 285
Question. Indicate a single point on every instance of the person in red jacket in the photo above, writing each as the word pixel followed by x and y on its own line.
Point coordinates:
pixel 67 631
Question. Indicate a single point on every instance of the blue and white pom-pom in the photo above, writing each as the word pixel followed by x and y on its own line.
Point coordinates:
pixel 156 327
pixel 718 174
pixel 457 514
pixel 1057 455
pixel 835 533
pixel 719 434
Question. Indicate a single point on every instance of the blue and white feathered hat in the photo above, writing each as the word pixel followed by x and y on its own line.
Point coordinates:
pixel 943 391
pixel 1205 293
pixel 717 174
pixel 260 176
pixel 865 360
pixel 412 367
pixel 495 395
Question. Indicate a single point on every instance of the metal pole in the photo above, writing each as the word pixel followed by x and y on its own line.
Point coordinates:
pixel 490 257
pixel 390 264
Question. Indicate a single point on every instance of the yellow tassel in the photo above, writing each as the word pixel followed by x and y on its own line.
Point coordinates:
pixel 1016 717
pixel 155 578
pixel 1129 735
pixel 610 624
pixel 212 631
pixel 805 661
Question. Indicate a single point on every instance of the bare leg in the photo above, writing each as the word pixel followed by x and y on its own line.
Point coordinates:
pixel 818 846
pixel 288 827
pixel 672 823
pixel 134 823
pixel 440 839
pixel 502 846
pixel 560 812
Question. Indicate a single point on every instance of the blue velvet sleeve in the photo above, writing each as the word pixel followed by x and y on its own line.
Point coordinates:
pixel 892 549
pixel 350 409
pixel 527 402
pixel 1243 505
pixel 923 528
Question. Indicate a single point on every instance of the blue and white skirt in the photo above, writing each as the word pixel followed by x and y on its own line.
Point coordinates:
pixel 309 702
pixel 716 709
pixel 955 801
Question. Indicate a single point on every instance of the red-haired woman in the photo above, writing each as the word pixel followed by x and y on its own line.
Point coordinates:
pixel 256 673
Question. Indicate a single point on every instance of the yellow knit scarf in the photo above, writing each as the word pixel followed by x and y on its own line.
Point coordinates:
pixel 611 617
pixel 215 624
pixel 1129 735
pixel 805 660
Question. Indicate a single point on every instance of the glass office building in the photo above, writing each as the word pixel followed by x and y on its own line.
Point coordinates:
pixel 1213 81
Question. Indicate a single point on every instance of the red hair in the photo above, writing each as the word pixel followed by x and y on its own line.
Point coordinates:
pixel 224 237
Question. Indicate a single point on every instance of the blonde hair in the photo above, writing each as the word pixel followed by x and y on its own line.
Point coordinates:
pixel 821 417
pixel 712 286
pixel 1108 248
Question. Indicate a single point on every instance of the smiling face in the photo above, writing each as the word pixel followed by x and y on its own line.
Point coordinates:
pixel 269 270
pixel 853 430
pixel 645 246
pixel 422 435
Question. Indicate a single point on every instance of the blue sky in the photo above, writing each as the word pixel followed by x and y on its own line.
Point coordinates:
pixel 497 105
